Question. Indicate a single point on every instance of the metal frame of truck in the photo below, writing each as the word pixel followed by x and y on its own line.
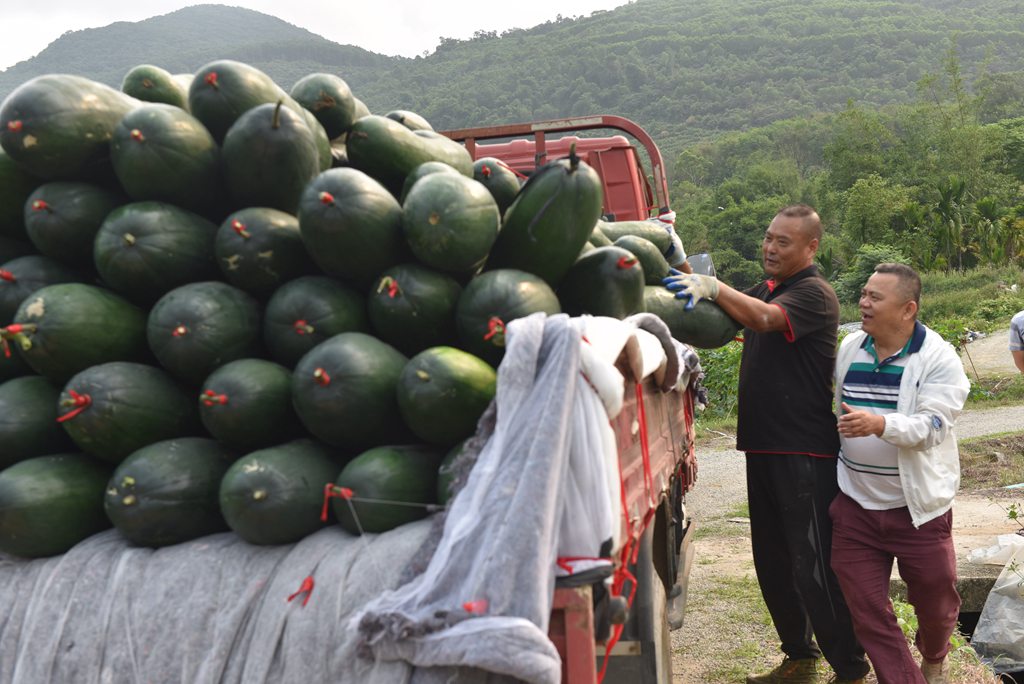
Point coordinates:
pixel 654 434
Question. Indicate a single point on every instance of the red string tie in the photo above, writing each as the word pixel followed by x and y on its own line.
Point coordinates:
pixel 326 198
pixel 80 403
pixel 321 377
pixel 7 275
pixel 211 79
pixel 14 126
pixel 496 329
pixel 136 135
pixel 209 397
pixel 333 492
pixel 301 327
pixel 305 588
pixel 239 228
pixel 179 331
pixel 626 262
pixel 40 205
pixel 485 171
pixel 477 606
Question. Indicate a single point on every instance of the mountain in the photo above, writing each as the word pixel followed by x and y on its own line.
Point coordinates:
pixel 686 70
pixel 185 40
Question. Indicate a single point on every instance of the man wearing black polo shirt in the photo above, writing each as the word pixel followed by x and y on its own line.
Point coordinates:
pixel 788 430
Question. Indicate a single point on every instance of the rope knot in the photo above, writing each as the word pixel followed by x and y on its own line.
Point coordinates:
pixel 239 228
pixel 626 262
pixel 7 275
pixel 41 205
pixel 305 588
pixel 136 135
pixel 321 377
pixel 301 327
pixel 326 198
pixel 180 331
pixel 332 491
pixel 209 397
pixel 80 402
pixel 495 331
pixel 14 126
pixel 211 79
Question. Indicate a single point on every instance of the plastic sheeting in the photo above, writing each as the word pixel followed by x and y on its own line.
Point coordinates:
pixel 212 610
pixel 999 635
pixel 540 489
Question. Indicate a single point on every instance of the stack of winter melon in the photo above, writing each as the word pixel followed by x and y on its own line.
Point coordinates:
pixel 221 302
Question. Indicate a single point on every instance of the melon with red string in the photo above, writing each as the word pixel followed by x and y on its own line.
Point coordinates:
pixel 499 179
pixel 63 329
pixel 113 409
pixel 493 299
pixel 196 328
pixel 22 276
pixel 412 307
pixel 258 249
pixel 607 281
pixel 276 495
pixel 247 404
pixel 309 310
pixel 385 487
pixel 344 391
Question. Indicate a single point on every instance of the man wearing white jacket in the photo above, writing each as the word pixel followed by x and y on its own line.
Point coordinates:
pixel 899 390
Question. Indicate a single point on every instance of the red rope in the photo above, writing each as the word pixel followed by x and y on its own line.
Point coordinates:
pixel 239 228
pixel 7 275
pixel 306 588
pixel 301 327
pixel 495 328
pixel 209 397
pixel 645 450
pixel 326 198
pixel 14 126
pixel 40 205
pixel 79 401
pixel 321 377
pixel 626 262
pixel 332 491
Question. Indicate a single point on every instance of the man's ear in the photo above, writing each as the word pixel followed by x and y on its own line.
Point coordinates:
pixel 910 310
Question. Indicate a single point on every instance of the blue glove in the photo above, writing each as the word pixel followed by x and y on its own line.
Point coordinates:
pixel 691 286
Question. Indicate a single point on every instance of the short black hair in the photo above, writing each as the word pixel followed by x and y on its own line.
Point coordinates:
pixel 811 223
pixel 909 280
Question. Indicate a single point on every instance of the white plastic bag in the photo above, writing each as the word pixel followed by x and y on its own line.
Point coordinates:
pixel 999 636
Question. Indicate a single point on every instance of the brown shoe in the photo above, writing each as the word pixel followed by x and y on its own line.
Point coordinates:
pixel 803 671
pixel 936 673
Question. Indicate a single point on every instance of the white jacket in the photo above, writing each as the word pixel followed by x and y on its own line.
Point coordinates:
pixel 932 394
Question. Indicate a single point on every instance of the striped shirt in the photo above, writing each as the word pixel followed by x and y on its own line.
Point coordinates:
pixel 868 472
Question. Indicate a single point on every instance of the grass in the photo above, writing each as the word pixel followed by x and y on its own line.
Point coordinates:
pixel 746 641
pixel 992 392
pixel 992 462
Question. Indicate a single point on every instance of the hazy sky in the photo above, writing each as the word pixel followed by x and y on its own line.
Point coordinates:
pixel 390 27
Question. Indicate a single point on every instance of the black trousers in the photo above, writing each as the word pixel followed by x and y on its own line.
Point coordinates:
pixel 791 539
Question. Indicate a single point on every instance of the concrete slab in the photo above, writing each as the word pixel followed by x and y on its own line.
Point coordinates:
pixel 978 519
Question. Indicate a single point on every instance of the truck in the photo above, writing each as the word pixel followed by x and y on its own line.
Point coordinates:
pixel 216 609
pixel 623 637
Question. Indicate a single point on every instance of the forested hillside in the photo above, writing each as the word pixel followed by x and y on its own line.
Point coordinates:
pixel 684 69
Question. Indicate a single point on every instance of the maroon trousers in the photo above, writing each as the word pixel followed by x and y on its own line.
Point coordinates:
pixel 864 544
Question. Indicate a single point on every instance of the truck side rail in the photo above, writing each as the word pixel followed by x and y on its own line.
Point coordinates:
pixel 469 136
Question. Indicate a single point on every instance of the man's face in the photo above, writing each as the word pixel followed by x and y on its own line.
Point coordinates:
pixel 787 249
pixel 883 306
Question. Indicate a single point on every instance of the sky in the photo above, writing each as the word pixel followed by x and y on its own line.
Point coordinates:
pixel 390 27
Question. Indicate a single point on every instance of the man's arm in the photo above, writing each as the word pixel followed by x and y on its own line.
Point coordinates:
pixel 1018 360
pixel 751 312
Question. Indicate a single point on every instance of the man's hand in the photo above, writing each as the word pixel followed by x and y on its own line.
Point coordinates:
pixel 855 423
pixel 692 286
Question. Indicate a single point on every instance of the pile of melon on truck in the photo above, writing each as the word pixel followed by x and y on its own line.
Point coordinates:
pixel 291 391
